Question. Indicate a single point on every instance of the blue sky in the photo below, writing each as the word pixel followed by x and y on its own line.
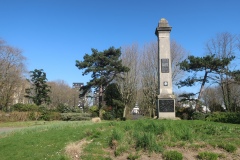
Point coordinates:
pixel 53 34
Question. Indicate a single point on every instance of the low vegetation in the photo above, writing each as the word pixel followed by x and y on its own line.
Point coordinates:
pixel 158 139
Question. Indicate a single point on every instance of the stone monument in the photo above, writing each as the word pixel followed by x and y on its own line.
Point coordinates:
pixel 165 98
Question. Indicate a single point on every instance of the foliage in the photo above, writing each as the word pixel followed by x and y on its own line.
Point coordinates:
pixel 208 156
pixel 113 99
pixel 210 65
pixel 64 108
pixel 224 117
pixel 75 116
pixel 172 155
pixel 104 66
pixel 39 92
pixel 108 115
pixel 198 116
pixel 225 45
pixel 24 107
pixel 94 111
pixel 14 116
pixel 184 113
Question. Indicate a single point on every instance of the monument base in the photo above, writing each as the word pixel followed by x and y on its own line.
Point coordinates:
pixel 166 108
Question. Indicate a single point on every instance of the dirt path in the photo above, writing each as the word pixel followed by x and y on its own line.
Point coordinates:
pixel 9 129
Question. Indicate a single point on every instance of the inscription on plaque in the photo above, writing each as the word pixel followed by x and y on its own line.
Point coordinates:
pixel 165 65
pixel 166 105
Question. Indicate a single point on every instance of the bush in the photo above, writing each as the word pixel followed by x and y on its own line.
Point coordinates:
pixel 75 116
pixel 64 108
pixel 108 116
pixel 208 156
pixel 24 107
pixel 14 116
pixel 172 155
pixel 198 116
pixel 94 111
pixel 224 117
pixel 184 113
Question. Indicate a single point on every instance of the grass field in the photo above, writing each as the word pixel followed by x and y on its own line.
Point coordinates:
pixel 140 139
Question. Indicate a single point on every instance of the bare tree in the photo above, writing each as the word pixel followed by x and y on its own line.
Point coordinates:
pixel 212 99
pixel 128 82
pixel 224 45
pixel 12 69
pixel 149 78
pixel 149 75
pixel 62 93
pixel 178 54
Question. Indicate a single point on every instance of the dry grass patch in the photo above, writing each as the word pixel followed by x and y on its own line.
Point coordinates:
pixel 96 119
pixel 74 150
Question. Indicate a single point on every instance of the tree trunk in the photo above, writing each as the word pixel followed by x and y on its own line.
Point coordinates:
pixel 124 111
pixel 201 90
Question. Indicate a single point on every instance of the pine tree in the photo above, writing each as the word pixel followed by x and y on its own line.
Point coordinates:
pixel 39 92
pixel 104 66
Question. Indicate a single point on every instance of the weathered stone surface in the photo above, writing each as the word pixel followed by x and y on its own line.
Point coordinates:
pixel 164 71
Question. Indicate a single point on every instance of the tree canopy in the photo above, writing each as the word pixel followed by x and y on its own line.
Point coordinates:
pixel 113 99
pixel 39 92
pixel 208 65
pixel 103 66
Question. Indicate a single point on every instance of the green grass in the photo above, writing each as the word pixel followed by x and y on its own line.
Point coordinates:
pixel 24 124
pixel 47 140
pixel 208 156
pixel 172 155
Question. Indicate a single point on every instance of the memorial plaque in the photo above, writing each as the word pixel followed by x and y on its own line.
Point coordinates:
pixel 165 65
pixel 166 105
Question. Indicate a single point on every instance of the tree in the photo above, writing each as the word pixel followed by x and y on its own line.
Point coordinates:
pixel 225 45
pixel 178 54
pixel 209 65
pixel 62 95
pixel 128 81
pixel 12 69
pixel 149 78
pixel 149 74
pixel 113 100
pixel 104 66
pixel 39 92
pixel 212 99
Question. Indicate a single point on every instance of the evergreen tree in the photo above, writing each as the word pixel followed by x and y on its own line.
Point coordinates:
pixel 104 66
pixel 209 65
pixel 39 92
pixel 113 99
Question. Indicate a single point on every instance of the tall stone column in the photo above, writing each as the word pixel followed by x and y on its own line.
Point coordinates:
pixel 165 99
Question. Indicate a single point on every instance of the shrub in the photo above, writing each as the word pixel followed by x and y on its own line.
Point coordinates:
pixel 184 113
pixel 225 117
pixel 62 108
pixel 108 116
pixel 94 110
pixel 172 155
pixel 24 107
pixel 208 156
pixel 14 116
pixel 75 116
pixel 198 116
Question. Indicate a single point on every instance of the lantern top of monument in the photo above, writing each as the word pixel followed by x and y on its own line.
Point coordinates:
pixel 163 23
pixel 163 26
